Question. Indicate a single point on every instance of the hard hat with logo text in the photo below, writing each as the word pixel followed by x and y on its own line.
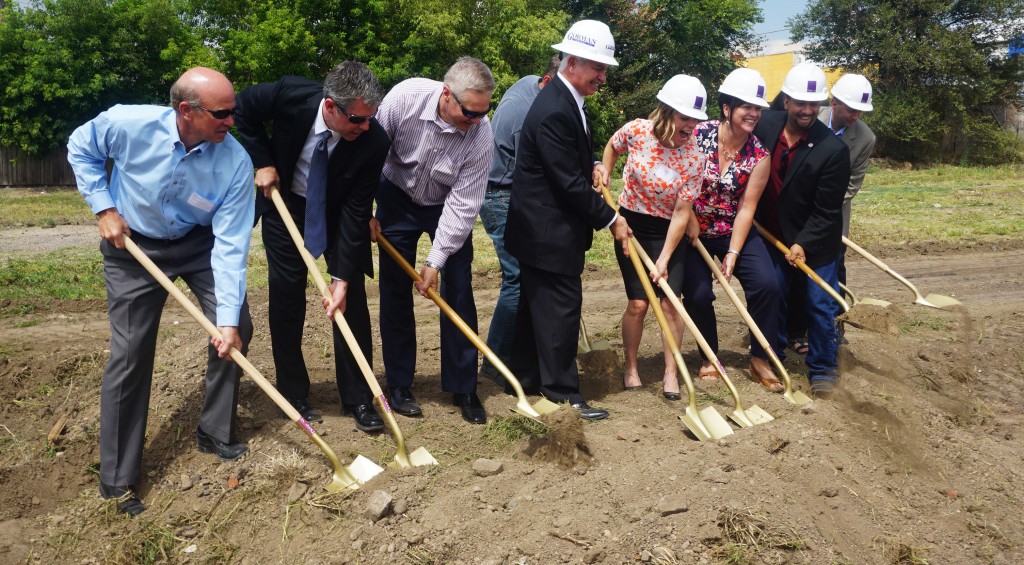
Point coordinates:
pixel 854 91
pixel 806 82
pixel 686 95
pixel 746 84
pixel 590 40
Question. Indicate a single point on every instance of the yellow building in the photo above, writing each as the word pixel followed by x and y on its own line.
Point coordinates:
pixel 775 66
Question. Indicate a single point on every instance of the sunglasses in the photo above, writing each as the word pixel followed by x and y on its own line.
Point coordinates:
pixel 469 113
pixel 354 119
pixel 219 114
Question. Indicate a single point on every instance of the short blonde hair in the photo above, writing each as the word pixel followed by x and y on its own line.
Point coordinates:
pixel 663 127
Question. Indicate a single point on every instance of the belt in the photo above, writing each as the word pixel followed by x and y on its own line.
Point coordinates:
pixel 495 186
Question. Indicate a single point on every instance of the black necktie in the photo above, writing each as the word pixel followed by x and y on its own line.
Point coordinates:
pixel 316 198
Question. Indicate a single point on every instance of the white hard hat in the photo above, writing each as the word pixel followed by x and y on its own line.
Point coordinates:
pixel 746 84
pixel 685 95
pixel 591 40
pixel 806 82
pixel 854 91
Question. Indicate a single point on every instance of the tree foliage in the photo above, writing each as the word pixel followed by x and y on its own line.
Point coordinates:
pixel 938 68
pixel 63 61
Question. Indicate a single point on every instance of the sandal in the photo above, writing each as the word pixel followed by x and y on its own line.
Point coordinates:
pixel 707 372
pixel 766 377
pixel 799 344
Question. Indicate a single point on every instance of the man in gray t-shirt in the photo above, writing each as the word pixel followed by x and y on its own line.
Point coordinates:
pixel 506 123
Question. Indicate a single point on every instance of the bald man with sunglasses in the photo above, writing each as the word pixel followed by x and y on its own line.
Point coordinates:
pixel 324 152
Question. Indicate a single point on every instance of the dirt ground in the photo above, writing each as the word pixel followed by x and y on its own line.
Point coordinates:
pixel 916 460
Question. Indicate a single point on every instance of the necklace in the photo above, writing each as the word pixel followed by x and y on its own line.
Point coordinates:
pixel 725 153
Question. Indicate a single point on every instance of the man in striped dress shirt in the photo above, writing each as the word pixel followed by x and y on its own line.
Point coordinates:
pixel 434 181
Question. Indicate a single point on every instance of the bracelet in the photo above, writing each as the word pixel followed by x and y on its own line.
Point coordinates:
pixel 734 252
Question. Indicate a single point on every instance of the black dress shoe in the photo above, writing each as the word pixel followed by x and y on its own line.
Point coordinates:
pixel 472 410
pixel 403 402
pixel 127 502
pixel 225 451
pixel 308 413
pixel 589 413
pixel 365 416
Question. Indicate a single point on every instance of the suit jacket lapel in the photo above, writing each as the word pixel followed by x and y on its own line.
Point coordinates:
pixel 304 119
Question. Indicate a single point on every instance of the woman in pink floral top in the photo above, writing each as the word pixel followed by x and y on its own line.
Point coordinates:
pixel 662 176
pixel 736 174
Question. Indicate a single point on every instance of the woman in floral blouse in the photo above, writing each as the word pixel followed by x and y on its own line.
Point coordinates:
pixel 736 174
pixel 662 176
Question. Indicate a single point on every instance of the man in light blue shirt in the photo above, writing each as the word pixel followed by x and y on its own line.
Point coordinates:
pixel 182 188
pixel 506 123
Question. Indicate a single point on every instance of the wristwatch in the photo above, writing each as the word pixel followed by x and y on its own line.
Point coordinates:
pixel 428 263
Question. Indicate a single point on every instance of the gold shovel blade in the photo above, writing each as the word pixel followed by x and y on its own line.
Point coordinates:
pixel 939 301
pixel 355 475
pixel 797 397
pixel 706 423
pixel 757 415
pixel 421 457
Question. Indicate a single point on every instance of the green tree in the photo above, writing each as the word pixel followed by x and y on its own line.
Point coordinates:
pixel 63 61
pixel 938 67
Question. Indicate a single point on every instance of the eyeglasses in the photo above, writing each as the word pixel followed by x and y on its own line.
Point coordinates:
pixel 469 113
pixel 219 114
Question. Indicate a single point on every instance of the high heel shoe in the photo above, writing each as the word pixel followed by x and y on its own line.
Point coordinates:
pixel 766 377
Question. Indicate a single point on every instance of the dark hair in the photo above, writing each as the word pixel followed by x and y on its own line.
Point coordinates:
pixel 552 69
pixel 728 100
pixel 350 81
pixel 779 103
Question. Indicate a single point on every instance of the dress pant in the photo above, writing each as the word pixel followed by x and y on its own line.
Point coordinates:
pixel 288 286
pixel 822 310
pixel 501 334
pixel 547 334
pixel 135 301
pixel 402 223
pixel 756 274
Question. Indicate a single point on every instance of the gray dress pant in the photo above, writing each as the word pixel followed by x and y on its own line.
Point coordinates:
pixel 135 301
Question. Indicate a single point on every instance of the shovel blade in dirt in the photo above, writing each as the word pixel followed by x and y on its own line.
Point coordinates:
pixel 750 416
pixel 854 300
pixel 352 477
pixel 932 300
pixel 585 345
pixel 706 424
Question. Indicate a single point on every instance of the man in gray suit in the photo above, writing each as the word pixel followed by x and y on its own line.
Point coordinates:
pixel 851 96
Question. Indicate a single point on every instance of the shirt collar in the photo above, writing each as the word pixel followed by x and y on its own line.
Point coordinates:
pixel 841 130
pixel 572 90
pixel 320 126
pixel 431 113
pixel 171 123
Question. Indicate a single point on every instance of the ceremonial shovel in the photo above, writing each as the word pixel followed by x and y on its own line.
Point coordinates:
pixel 402 457
pixel 523 406
pixel 351 477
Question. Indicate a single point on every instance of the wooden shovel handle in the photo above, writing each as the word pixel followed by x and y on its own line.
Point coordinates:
pixel 803 267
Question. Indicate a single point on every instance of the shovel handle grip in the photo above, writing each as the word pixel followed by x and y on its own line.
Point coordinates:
pixel 803 267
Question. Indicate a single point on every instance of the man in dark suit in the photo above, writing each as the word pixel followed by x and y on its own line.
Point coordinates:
pixel 552 215
pixel 802 206
pixel 306 118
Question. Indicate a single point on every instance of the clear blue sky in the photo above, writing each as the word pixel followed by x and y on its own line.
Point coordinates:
pixel 776 12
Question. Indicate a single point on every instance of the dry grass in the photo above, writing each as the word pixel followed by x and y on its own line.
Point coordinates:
pixel 746 534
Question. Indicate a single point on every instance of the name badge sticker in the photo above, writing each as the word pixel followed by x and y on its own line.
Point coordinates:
pixel 664 174
pixel 197 201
